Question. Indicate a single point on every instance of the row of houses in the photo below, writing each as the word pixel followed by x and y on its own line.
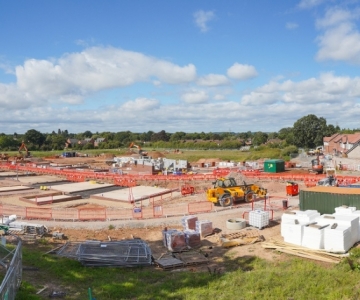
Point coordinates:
pixel 343 144
pixel 72 142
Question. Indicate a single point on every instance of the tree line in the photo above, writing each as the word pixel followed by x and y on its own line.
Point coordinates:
pixel 307 132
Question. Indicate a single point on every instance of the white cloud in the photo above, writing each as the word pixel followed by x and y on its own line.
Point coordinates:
pixel 76 75
pixel 334 16
pixel 213 80
pixel 195 97
pixel 305 4
pixel 327 89
pixel 241 72
pixel 141 104
pixel 219 97
pixel 340 40
pixel 291 25
pixel 202 18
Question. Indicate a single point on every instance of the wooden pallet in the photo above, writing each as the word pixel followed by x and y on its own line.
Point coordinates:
pixel 169 261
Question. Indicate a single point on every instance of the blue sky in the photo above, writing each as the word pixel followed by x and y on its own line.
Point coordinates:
pixel 192 66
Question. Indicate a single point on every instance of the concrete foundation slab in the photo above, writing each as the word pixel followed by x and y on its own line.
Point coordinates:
pixel 139 193
pixel 10 174
pixel 38 179
pixel 49 199
pixel 80 186
pixel 14 188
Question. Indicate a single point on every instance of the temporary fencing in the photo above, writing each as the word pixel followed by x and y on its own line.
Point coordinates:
pixel 90 214
pixel 12 279
pixel 65 214
pixel 38 213
pixel 201 206
pixel 78 175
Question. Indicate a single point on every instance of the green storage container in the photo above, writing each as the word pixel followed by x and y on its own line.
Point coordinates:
pixel 274 165
pixel 325 199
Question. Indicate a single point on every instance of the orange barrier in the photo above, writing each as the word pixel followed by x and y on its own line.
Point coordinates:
pixel 65 214
pixel 119 214
pixel 38 213
pixel 201 206
pixel 157 211
pixel 8 210
pixel 86 214
pixel 180 209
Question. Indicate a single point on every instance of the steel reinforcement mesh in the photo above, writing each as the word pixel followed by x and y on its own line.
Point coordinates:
pixel 126 253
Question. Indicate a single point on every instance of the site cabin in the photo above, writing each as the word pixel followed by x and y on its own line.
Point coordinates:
pixel 274 165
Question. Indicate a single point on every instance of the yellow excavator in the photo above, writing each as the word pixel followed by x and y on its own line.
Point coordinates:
pixel 141 152
pixel 23 147
pixel 226 191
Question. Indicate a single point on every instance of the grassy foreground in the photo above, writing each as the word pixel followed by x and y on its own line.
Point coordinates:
pixel 241 278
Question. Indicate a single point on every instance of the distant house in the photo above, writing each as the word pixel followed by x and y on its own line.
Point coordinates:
pixel 248 142
pixel 99 141
pixel 273 141
pixel 71 143
pixel 86 141
pixel 343 144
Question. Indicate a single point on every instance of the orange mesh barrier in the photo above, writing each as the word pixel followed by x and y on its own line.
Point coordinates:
pixel 201 206
pixel 14 210
pixel 92 214
pixel 38 213
pixel 175 210
pixel 157 211
pixel 65 214
pixel 119 214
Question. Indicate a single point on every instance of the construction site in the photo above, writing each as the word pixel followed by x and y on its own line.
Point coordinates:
pixel 174 214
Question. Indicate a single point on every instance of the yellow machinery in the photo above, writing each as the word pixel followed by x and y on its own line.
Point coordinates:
pixel 23 147
pixel 226 191
pixel 141 152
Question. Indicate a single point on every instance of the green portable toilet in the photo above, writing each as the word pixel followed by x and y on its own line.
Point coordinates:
pixel 274 165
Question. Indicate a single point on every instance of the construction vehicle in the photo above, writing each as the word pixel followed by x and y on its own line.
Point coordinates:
pixel 141 152
pixel 318 151
pixel 330 179
pixel 23 147
pixel 316 166
pixel 226 191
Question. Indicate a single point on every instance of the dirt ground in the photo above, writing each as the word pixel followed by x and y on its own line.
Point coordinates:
pixel 151 230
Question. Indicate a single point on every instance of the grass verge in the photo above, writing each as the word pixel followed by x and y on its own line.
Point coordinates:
pixel 245 277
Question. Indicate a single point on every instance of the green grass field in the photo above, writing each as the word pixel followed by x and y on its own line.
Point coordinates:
pixel 189 155
pixel 244 277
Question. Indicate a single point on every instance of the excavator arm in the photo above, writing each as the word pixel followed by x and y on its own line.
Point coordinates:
pixel 23 147
pixel 141 152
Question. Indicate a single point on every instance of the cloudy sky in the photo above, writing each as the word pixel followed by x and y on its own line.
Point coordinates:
pixel 192 66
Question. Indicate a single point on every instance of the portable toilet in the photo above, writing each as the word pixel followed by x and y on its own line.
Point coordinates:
pixel 274 165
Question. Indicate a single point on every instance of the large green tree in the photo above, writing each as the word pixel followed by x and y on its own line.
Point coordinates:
pixel 309 131
pixel 7 142
pixel 34 137
pixel 259 138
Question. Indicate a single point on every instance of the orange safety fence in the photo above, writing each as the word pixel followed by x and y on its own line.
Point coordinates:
pixel 180 209
pixel 157 211
pixel 38 213
pixel 148 212
pixel 65 214
pixel 8 210
pixel 119 214
pixel 86 214
pixel 200 206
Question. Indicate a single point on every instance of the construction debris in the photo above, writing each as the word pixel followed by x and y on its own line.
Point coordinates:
pixel 182 259
pixel 243 237
pixel 320 255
